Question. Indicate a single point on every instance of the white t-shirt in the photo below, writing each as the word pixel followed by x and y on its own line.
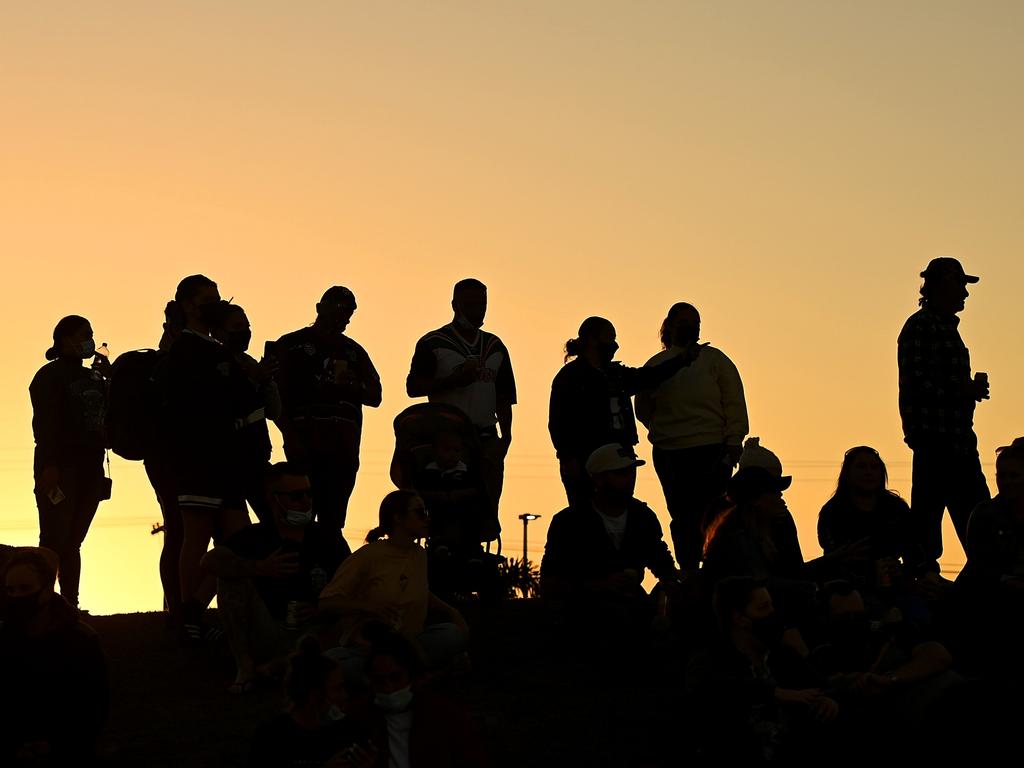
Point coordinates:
pixel 614 525
pixel 399 727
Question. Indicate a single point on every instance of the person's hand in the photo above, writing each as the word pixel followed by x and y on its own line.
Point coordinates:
pixel 356 756
pixel 389 614
pixel 505 441
pixel 871 684
pixel 49 479
pixel 467 373
pixel 306 613
pixel 691 352
pixel 979 389
pixel 733 453
pixel 825 710
pixel 805 697
pixel 278 565
pixel 851 552
pixel 101 364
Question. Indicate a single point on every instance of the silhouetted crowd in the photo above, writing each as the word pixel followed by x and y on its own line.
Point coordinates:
pixel 753 653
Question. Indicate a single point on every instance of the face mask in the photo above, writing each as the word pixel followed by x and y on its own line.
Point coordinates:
pixel 238 341
pixel 87 348
pixel 298 518
pixel 334 714
pixel 22 608
pixel 768 630
pixel 393 703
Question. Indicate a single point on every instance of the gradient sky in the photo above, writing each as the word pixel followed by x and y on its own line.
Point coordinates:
pixel 788 167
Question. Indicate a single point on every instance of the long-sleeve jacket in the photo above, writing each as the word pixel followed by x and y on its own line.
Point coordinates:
pixel 579 549
pixel 68 407
pixel 995 546
pixel 591 407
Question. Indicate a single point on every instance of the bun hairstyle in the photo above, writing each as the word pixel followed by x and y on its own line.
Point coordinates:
pixel 308 671
pixel 394 504
pixel 66 327
pixel 589 328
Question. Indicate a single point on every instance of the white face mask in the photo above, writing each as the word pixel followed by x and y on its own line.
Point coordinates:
pixel 395 702
pixel 87 348
pixel 334 714
pixel 298 519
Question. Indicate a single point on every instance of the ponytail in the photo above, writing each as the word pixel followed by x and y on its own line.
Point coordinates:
pixel 588 329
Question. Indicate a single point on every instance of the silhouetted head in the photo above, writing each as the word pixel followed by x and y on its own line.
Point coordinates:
pixel 448 449
pixel 335 309
pixel 402 514
pixel 594 342
pixel 469 302
pixel 846 619
pixel 393 665
pixel 29 577
pixel 759 489
pixel 1010 471
pixel 314 682
pixel 230 326
pixel 745 613
pixel 612 469
pixel 863 473
pixel 681 326
pixel 945 286
pixel 72 339
pixel 288 492
pixel 196 296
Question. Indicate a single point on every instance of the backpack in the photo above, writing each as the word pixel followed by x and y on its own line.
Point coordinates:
pixel 133 402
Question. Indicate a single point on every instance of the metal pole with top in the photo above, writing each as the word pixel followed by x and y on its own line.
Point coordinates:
pixel 526 523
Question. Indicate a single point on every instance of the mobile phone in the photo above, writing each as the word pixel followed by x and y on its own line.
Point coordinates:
pixel 105 489
pixel 269 350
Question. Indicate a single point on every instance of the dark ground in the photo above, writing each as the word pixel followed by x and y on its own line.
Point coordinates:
pixel 537 702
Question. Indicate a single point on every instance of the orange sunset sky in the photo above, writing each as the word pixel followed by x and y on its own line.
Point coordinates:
pixel 789 167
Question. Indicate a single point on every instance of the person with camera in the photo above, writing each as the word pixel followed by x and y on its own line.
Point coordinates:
pixel 68 407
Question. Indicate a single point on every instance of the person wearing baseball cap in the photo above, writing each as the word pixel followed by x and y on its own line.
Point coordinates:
pixel 598 549
pixel 325 379
pixel 937 398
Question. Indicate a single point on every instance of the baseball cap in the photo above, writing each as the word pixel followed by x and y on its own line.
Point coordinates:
pixel 339 294
pixel 611 457
pixel 946 265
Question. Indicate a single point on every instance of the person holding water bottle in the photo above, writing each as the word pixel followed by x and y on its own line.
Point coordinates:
pixel 68 407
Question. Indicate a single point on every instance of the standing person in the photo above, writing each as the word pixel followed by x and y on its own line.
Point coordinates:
pixel 68 406
pixel 259 400
pixel 590 400
pixel 937 398
pixel 464 366
pixel 202 389
pixel 696 421
pixel 325 379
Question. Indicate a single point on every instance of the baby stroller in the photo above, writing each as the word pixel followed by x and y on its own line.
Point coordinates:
pixel 437 454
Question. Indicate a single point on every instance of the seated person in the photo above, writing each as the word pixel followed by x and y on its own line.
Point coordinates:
pixel 599 550
pixel 886 674
pixel 753 697
pixel 314 731
pixel 864 511
pixel 385 581
pixel 411 725
pixel 453 495
pixel 55 692
pixel 264 568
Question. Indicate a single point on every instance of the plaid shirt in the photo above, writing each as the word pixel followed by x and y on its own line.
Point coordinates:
pixel 934 366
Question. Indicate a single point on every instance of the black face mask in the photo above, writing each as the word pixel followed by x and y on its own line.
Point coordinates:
pixel 22 608
pixel 768 630
pixel 238 341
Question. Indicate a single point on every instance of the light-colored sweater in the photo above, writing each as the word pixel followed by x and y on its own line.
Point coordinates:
pixel 701 405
